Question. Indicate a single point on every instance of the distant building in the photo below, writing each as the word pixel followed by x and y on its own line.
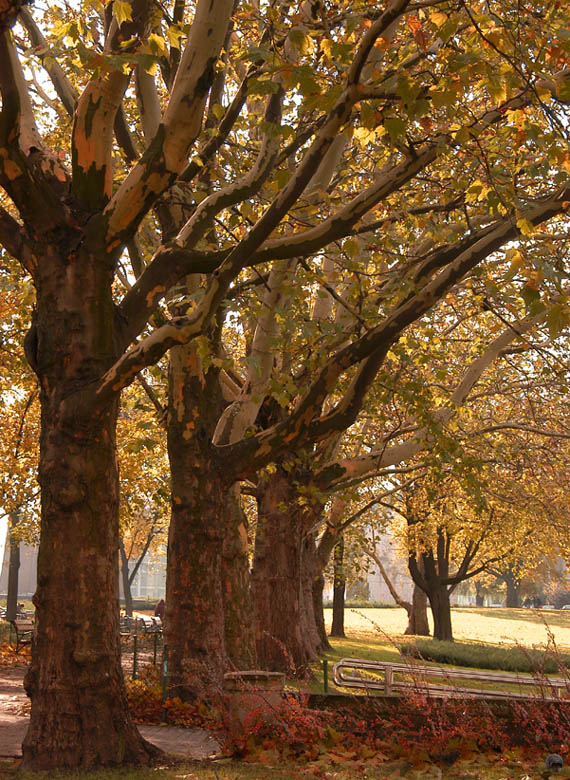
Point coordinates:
pixel 396 569
pixel 150 582
pixel 27 575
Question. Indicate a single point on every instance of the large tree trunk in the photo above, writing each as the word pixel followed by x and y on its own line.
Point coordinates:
pixel 441 610
pixel 417 614
pixel 79 712
pixel 339 588
pixel 238 607
pixel 281 643
pixel 194 619
pixel 13 572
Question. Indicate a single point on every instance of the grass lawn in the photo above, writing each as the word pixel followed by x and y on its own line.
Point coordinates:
pixel 496 625
pixel 373 633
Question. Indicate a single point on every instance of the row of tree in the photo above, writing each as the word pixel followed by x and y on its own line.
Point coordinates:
pixel 345 227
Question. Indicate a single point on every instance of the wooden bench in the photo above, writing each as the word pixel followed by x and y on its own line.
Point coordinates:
pixel 24 629
pixel 393 677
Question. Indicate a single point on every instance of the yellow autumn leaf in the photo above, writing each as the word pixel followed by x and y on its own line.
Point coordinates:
pixel 123 11
pixel 157 44
pixel 526 228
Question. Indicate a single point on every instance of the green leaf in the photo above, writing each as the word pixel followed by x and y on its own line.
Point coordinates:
pixel 396 127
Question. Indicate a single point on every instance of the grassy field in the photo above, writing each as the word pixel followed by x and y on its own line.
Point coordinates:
pixel 374 633
pixel 495 625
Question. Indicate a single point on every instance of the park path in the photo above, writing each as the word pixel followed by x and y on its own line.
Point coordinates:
pixel 193 744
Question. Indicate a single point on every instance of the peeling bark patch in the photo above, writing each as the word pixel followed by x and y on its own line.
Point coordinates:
pixel 92 108
pixel 10 168
pixel 205 81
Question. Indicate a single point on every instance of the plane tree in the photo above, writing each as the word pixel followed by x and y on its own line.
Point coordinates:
pixel 424 87
pixel 202 387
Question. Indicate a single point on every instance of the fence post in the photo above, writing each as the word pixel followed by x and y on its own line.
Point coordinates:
pixel 164 679
pixel 135 641
pixel 388 680
pixel 325 675
pixel 154 649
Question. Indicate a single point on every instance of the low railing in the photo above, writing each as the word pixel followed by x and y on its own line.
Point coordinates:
pixel 391 678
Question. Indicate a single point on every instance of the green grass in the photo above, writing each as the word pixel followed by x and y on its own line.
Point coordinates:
pixel 496 626
pixel 377 634
pixel 480 656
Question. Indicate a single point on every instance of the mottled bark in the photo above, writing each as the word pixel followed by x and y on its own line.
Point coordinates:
pixel 339 589
pixel 283 521
pixel 309 625
pixel 238 607
pixel 79 713
pixel 194 620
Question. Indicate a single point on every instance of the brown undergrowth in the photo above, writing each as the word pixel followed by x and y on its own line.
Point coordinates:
pixel 418 728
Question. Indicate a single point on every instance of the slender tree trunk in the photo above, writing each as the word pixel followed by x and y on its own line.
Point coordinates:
pixel 417 614
pixel 479 595
pixel 281 643
pixel 339 588
pixel 13 572
pixel 79 712
pixel 194 618
pixel 125 579
pixel 238 607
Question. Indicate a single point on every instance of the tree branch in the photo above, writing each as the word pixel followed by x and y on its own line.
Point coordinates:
pixel 166 156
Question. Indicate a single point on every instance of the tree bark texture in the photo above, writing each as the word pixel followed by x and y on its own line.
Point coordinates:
pixel 194 619
pixel 309 568
pixel 438 596
pixel 238 607
pixel 79 713
pixel 279 597
pixel 339 589
pixel 417 614
pixel 318 588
